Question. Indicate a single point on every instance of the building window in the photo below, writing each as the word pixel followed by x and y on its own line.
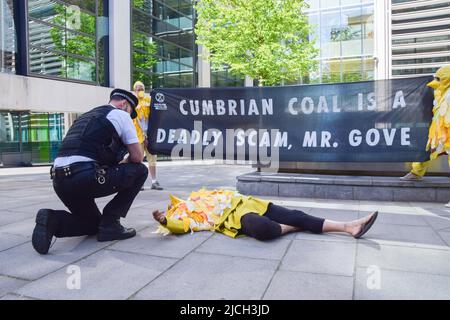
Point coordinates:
pixel 223 78
pixel 163 43
pixel 68 39
pixel 344 35
pixel 420 37
pixel 8 45
pixel 27 138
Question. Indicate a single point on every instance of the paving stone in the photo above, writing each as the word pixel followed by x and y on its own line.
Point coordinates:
pixel 287 285
pixel 437 222
pixel 399 219
pixel 412 234
pixel 10 240
pixel 313 260
pixel 245 247
pixel 336 204
pixel 24 262
pixel 400 285
pixel 12 203
pixel 445 235
pixel 12 216
pixel 309 256
pixel 389 207
pixel 35 207
pixel 10 284
pixel 410 259
pixel 332 236
pixel 104 275
pixel 22 228
pixel 172 246
pixel 429 205
pixel 15 297
pixel 202 276
pixel 335 214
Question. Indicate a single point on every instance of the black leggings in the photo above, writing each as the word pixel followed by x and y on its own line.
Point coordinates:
pixel 267 227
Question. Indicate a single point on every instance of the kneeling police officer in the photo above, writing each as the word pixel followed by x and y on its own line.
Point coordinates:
pixel 91 164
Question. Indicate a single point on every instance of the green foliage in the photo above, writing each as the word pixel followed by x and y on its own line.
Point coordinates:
pixel 144 58
pixel 267 40
pixel 345 34
pixel 352 77
pixel 74 43
pixel 331 78
pixel 142 4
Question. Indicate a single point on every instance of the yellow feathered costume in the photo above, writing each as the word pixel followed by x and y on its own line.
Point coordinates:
pixel 143 111
pixel 439 134
pixel 205 210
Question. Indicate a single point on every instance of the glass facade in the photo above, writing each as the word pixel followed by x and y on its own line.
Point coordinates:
pixel 8 43
pixel 344 35
pixel 420 37
pixel 30 137
pixel 163 52
pixel 68 39
pixel 224 78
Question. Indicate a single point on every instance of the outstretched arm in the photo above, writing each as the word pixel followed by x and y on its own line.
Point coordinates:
pixel 174 226
pixel 160 217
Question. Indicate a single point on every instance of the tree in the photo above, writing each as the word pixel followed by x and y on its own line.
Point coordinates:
pixel 74 43
pixel 268 40
pixel 144 50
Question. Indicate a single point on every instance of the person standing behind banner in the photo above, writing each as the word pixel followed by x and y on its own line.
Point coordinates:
pixel 439 133
pixel 141 124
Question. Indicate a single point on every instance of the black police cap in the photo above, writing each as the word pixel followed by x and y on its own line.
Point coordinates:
pixel 127 95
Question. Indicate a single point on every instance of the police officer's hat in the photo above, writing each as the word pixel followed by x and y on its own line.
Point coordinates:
pixel 130 97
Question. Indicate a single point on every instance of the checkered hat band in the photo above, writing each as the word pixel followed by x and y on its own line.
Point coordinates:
pixel 124 96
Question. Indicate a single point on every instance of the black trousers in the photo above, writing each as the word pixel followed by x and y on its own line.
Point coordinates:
pixel 267 227
pixel 78 193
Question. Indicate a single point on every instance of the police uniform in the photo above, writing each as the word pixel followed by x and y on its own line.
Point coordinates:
pixel 87 167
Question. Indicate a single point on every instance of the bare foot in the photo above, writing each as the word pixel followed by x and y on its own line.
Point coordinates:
pixel 356 226
pixel 160 217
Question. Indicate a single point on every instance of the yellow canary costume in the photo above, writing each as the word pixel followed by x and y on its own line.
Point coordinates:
pixel 216 210
pixel 439 133
pixel 141 122
pixel 143 112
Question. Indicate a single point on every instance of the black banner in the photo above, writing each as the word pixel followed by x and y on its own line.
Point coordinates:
pixel 373 121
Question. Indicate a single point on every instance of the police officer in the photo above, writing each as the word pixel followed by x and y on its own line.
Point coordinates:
pixel 90 165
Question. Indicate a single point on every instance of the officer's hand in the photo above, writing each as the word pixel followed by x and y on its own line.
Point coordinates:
pixel 146 142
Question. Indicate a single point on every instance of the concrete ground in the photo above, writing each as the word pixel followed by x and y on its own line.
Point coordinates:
pixel 405 256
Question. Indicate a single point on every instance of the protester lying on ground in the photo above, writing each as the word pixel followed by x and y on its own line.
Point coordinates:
pixel 236 215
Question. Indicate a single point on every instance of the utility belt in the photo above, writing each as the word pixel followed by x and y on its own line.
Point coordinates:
pixel 69 171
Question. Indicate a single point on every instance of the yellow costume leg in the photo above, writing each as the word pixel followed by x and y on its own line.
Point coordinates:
pixel 420 168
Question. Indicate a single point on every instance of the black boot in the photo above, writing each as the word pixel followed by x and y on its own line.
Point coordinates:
pixel 45 229
pixel 113 230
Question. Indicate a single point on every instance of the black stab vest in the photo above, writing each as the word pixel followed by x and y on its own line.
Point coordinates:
pixel 94 136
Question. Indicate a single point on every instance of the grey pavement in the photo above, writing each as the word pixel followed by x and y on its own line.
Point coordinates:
pixel 405 256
